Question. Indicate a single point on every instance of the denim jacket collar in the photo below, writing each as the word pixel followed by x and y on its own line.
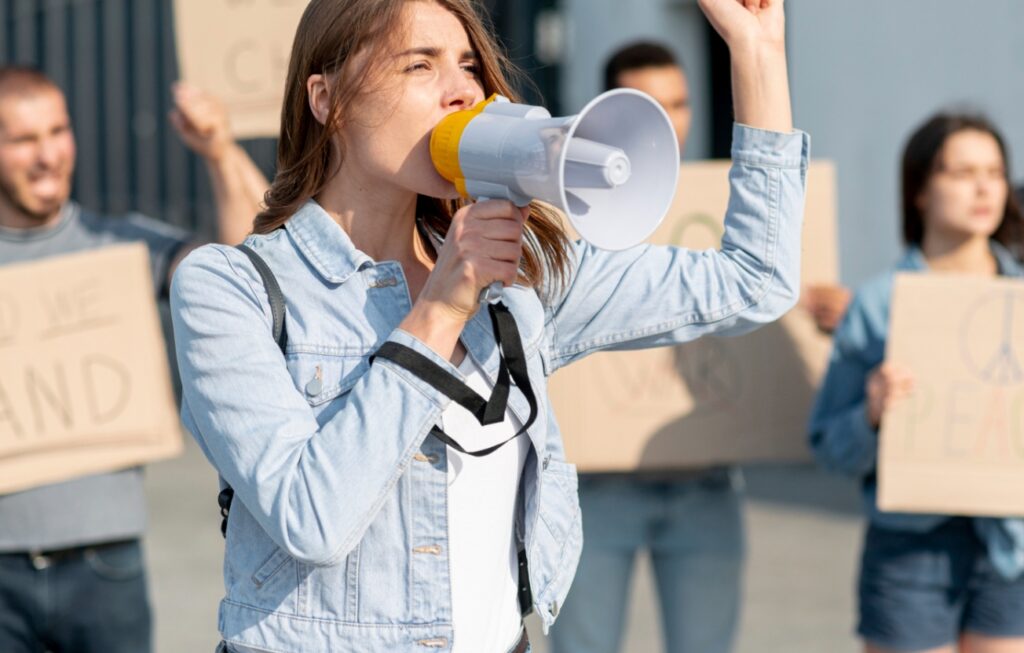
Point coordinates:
pixel 1008 266
pixel 324 244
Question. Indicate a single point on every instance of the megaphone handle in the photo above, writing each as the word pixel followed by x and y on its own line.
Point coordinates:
pixel 492 293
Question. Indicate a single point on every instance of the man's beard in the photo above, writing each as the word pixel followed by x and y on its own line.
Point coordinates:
pixel 9 196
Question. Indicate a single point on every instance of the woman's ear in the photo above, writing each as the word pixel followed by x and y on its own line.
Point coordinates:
pixel 319 97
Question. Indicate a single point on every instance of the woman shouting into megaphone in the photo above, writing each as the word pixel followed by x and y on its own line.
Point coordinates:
pixel 395 477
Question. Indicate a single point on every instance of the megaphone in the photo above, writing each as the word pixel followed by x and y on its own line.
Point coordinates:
pixel 612 168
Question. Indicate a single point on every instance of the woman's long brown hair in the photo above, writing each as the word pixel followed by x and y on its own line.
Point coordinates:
pixel 330 33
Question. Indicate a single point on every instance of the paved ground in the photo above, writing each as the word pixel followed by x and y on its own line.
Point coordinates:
pixel 804 531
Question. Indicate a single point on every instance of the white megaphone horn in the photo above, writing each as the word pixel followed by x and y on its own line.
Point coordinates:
pixel 612 168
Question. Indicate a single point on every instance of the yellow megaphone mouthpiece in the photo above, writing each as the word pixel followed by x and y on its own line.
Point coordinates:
pixel 444 143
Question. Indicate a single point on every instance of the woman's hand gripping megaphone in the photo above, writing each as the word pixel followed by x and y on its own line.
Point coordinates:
pixel 481 253
pixel 444 151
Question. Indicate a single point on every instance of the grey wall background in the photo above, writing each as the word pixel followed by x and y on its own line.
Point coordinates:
pixel 863 75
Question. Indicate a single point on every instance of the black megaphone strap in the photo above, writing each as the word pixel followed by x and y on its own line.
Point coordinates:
pixel 512 363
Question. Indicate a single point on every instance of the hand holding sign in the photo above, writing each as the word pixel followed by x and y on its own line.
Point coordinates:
pixel 887 385
pixel 955 445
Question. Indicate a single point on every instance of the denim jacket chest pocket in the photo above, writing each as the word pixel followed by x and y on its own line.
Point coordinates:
pixel 322 377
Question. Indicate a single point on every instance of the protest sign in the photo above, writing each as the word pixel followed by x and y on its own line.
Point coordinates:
pixel 956 445
pixel 716 400
pixel 84 380
pixel 238 50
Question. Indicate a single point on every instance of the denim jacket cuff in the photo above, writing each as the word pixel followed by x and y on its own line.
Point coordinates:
pixel 412 342
pixel 861 432
pixel 755 146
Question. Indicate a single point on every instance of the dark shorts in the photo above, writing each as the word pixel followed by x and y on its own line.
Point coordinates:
pixel 922 590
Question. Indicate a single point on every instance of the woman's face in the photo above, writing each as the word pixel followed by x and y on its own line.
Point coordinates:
pixel 966 194
pixel 430 71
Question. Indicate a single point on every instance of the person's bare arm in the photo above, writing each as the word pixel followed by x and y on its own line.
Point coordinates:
pixel 755 32
pixel 238 185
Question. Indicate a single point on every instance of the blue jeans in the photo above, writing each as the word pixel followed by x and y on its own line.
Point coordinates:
pixel 85 600
pixel 693 528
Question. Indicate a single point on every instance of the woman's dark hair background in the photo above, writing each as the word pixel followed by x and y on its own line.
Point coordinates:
pixel 635 56
pixel 920 160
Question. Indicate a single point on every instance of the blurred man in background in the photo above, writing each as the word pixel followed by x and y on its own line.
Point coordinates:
pixel 654 70
pixel 689 520
pixel 72 576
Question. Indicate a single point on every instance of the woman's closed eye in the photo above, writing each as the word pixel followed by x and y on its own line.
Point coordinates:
pixel 471 67
pixel 418 66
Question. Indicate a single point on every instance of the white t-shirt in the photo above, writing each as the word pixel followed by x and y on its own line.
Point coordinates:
pixel 482 496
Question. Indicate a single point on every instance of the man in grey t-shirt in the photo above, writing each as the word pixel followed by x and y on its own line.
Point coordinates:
pixel 71 571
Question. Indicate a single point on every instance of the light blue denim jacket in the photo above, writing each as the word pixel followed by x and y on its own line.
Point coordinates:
pixel 842 439
pixel 337 539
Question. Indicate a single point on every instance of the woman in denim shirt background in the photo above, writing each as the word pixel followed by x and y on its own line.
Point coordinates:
pixel 352 529
pixel 927 582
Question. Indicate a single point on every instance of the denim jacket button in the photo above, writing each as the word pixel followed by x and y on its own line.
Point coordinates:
pixel 425 458
pixel 554 608
pixel 436 642
pixel 316 384
pixel 547 460
pixel 314 387
pixel 434 549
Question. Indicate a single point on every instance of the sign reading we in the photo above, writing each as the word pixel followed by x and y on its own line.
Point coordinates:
pixel 238 50
pixel 84 380
pixel 956 445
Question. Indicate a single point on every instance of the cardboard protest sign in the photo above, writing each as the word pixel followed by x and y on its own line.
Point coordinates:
pixel 238 50
pixel 956 445
pixel 84 379
pixel 716 400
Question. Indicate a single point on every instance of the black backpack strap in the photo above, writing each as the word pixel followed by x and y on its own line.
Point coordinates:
pixel 512 363
pixel 280 332
pixel 274 294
